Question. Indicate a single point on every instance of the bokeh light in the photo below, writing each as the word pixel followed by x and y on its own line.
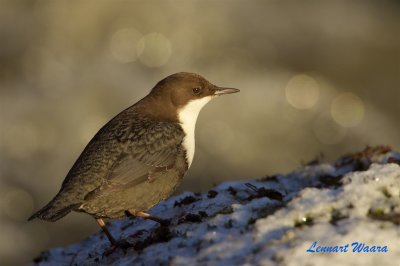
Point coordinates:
pixel 123 44
pixel 302 91
pixel 154 50
pixel 347 109
pixel 17 204
pixel 327 130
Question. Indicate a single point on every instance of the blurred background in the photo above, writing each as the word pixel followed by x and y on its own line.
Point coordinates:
pixel 317 79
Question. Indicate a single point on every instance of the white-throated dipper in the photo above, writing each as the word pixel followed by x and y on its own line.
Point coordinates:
pixel 139 157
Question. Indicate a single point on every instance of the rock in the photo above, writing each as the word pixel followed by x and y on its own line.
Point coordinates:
pixel 354 201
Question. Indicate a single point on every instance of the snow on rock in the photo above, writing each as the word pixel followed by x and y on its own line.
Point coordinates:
pixel 269 221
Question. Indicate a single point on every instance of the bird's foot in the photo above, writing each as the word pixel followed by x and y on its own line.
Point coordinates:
pixel 120 244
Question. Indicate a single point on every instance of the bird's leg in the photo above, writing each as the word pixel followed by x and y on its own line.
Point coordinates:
pixel 147 216
pixel 114 244
pixel 105 230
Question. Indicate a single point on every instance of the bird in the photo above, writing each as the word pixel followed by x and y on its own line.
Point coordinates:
pixel 139 157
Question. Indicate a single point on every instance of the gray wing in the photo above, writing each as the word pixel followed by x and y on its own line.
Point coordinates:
pixel 149 149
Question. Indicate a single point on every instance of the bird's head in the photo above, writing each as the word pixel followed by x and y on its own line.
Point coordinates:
pixel 183 95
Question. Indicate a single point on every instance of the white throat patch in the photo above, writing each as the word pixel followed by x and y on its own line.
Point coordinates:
pixel 187 117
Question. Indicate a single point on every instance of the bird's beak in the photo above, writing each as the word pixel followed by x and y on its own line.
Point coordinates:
pixel 220 91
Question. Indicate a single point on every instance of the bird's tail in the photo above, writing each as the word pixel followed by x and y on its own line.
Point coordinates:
pixel 53 211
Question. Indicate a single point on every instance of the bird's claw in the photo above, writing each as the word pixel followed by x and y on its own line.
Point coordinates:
pixel 120 244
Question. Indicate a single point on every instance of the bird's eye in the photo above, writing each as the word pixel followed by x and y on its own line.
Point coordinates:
pixel 196 91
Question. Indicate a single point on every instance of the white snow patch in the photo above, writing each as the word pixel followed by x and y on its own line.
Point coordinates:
pixel 241 224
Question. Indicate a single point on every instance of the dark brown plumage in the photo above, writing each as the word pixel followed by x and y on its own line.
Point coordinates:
pixel 139 157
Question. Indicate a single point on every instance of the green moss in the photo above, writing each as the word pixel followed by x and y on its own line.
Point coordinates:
pixel 380 215
pixel 386 192
pixel 337 215
pixel 376 213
